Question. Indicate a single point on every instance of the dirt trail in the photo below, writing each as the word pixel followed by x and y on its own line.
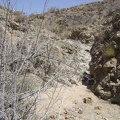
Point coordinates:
pixel 75 103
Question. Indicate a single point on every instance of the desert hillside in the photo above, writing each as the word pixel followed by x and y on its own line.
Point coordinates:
pixel 61 65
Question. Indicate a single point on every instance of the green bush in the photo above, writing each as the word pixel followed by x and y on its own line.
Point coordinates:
pixel 109 51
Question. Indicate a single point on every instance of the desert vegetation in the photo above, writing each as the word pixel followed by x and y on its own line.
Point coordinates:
pixel 44 58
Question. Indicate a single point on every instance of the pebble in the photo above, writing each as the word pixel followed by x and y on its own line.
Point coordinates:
pixel 80 111
pixel 88 100
pixel 98 108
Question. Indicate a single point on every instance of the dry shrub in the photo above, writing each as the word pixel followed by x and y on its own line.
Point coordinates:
pixel 38 16
pixel 53 10
pixel 19 16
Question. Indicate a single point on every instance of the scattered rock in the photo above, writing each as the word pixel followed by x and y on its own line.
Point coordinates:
pixel 87 100
pixel 73 82
pixel 98 108
pixel 52 117
pixel 66 117
pixel 80 111
pixel 105 118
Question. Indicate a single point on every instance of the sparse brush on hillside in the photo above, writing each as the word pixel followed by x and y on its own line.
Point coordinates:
pixel 19 16
pixel 36 56
pixel 38 16
pixel 53 10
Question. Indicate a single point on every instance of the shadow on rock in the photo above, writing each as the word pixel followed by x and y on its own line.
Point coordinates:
pixel 88 80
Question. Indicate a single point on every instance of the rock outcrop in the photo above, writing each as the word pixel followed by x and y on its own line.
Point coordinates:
pixel 105 63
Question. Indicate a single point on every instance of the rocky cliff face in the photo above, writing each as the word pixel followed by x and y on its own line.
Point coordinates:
pixel 105 63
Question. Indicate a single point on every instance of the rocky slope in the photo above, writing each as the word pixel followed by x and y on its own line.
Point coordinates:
pixel 36 60
pixel 104 65
pixel 72 22
pixel 49 55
